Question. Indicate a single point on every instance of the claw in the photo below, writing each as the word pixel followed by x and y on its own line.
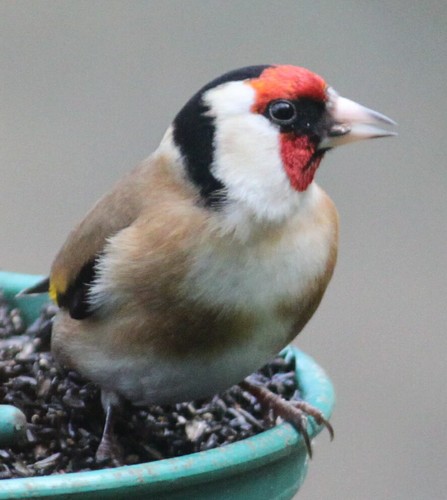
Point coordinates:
pixel 316 415
pixel 302 427
pixel 294 412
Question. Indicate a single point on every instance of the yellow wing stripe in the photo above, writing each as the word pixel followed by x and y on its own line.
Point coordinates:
pixel 58 286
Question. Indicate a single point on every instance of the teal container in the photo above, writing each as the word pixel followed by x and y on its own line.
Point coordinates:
pixel 269 466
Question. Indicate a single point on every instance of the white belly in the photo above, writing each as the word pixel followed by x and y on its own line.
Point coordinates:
pixel 151 379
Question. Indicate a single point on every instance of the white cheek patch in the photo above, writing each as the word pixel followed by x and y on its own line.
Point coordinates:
pixel 247 155
pixel 247 161
pixel 231 98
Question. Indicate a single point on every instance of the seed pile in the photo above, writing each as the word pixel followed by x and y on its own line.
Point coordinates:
pixel 65 417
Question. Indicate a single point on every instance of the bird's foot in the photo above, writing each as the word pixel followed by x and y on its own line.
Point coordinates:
pixel 109 450
pixel 295 412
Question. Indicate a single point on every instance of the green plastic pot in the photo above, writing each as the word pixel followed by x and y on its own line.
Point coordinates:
pixel 271 465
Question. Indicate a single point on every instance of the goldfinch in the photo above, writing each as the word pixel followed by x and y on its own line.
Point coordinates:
pixel 212 255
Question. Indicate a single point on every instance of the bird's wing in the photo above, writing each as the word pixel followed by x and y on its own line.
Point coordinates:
pixel 75 267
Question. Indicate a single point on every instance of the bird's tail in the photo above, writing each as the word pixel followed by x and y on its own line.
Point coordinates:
pixel 41 286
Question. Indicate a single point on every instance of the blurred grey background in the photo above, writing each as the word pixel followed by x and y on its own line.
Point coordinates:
pixel 87 90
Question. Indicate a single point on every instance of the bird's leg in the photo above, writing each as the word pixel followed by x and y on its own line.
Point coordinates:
pixel 294 412
pixel 109 448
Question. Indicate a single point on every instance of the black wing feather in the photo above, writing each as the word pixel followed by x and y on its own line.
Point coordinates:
pixel 75 298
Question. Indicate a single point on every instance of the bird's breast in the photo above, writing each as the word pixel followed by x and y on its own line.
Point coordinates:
pixel 286 263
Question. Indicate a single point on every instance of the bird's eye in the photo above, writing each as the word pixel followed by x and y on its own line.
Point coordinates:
pixel 282 112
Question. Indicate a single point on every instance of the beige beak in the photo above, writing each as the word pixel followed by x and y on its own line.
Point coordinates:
pixel 352 122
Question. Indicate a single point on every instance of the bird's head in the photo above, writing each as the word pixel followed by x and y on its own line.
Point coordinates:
pixel 255 136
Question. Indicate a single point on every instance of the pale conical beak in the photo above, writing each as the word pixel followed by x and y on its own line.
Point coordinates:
pixel 350 121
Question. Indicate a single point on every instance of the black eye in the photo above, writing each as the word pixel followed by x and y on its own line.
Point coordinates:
pixel 282 112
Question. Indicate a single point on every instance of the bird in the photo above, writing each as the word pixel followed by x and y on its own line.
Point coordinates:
pixel 209 257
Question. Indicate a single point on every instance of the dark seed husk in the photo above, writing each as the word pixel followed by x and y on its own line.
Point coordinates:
pixel 65 417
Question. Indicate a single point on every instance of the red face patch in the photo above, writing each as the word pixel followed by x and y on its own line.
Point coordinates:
pixel 298 152
pixel 287 82
pixel 300 160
